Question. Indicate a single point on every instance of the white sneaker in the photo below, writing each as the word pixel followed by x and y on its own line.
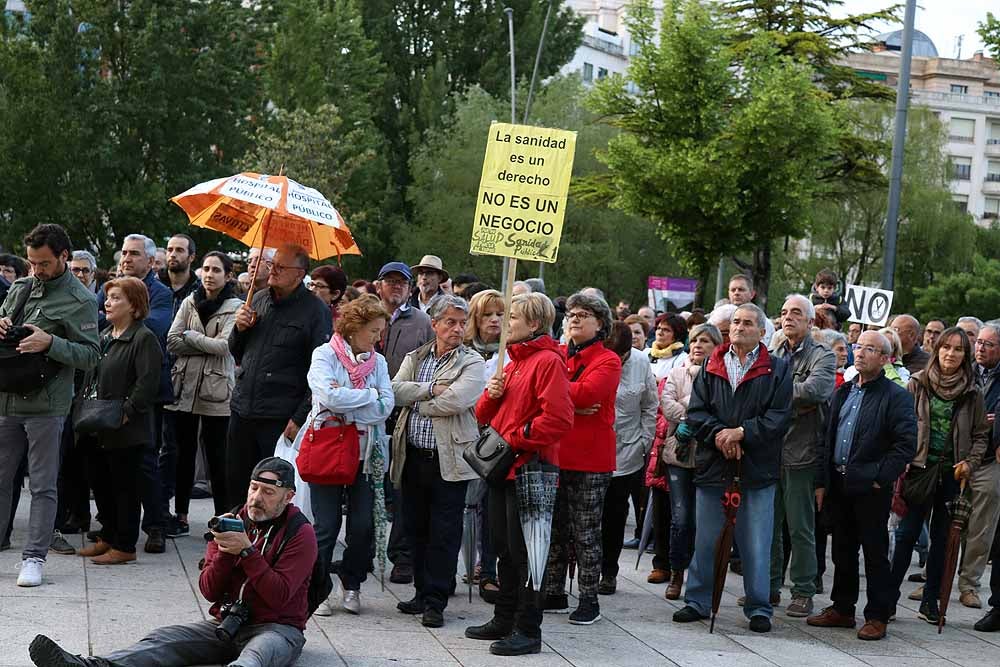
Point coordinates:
pixel 31 572
pixel 352 601
pixel 324 609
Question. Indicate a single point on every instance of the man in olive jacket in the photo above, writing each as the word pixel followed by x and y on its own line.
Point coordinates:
pixel 62 316
pixel 813 377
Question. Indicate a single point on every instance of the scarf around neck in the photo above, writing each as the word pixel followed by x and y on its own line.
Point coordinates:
pixel 658 352
pixel 207 307
pixel 487 350
pixel 358 371
pixel 947 387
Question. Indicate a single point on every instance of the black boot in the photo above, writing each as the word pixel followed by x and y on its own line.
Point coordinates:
pixel 517 644
pixel 46 653
pixel 414 606
pixel 990 622
pixel 492 630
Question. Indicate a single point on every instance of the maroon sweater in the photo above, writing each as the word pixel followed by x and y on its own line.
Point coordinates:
pixel 276 594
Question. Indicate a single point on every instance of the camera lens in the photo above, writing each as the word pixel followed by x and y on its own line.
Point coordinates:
pixel 213 523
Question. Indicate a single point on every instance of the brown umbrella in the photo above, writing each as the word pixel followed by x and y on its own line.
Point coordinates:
pixel 731 500
pixel 960 509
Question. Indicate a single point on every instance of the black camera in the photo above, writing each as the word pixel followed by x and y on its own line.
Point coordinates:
pixel 16 334
pixel 234 615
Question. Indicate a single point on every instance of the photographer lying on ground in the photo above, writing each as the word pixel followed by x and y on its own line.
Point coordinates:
pixel 257 581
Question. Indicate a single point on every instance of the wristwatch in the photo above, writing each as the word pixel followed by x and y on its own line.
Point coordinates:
pixel 247 552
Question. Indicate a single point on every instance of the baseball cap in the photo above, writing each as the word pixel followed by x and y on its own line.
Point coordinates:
pixel 280 467
pixel 398 267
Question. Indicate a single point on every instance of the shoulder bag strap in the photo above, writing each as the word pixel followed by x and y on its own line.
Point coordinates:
pixel 17 317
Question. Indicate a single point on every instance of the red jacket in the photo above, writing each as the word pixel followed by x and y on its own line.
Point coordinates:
pixel 276 594
pixel 535 410
pixel 653 464
pixel 594 372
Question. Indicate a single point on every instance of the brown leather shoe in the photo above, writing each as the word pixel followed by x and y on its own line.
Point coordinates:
pixel 658 576
pixel 98 548
pixel 114 557
pixel 831 618
pixel 674 587
pixel 872 630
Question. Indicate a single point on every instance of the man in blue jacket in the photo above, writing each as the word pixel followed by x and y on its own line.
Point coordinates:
pixel 871 436
pixel 138 253
pixel 739 412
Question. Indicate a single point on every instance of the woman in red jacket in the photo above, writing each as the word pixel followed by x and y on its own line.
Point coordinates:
pixel 586 457
pixel 530 407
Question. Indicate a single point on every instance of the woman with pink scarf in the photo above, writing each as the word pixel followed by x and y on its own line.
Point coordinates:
pixel 349 379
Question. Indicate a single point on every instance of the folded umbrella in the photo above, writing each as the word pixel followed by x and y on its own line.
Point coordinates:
pixel 960 509
pixel 647 528
pixel 536 484
pixel 469 542
pixel 731 500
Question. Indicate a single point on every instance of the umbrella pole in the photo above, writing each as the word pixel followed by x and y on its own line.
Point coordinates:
pixel 253 278
pixel 472 561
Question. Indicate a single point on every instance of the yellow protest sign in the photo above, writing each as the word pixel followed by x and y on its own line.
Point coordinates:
pixel 522 192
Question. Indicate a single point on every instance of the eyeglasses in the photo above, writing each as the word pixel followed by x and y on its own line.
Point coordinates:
pixel 395 283
pixel 315 285
pixel 79 269
pixel 579 315
pixel 867 349
pixel 988 344
pixel 278 268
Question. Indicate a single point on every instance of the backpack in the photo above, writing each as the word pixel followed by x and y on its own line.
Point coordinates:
pixel 320 582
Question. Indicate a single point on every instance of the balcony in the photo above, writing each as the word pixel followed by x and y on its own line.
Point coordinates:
pixel 955 98
pixel 993 147
pixel 605 45
pixel 962 172
pixel 991 186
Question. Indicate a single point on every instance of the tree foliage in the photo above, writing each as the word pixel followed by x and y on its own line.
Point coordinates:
pixel 597 242
pixel 723 161
pixel 973 291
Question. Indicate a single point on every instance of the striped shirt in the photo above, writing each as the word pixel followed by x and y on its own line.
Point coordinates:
pixel 420 429
pixel 734 369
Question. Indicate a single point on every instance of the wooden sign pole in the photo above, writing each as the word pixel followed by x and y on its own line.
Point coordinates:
pixel 508 295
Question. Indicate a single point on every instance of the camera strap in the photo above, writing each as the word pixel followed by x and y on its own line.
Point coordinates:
pixel 262 550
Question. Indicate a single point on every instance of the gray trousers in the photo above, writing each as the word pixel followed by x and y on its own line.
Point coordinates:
pixel 40 437
pixel 982 525
pixel 264 645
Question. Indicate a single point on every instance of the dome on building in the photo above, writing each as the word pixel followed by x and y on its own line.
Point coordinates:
pixel 922 44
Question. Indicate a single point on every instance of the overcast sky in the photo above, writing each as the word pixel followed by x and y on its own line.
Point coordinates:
pixel 942 20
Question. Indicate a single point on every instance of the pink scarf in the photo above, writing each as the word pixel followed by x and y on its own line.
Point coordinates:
pixel 357 371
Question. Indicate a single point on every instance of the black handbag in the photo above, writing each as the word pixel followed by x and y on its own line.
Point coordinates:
pixel 920 484
pixel 490 456
pixel 93 415
pixel 23 373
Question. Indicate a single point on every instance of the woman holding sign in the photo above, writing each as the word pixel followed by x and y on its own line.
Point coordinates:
pixel 529 406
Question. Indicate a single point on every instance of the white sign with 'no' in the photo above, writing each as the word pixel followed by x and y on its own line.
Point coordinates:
pixel 868 305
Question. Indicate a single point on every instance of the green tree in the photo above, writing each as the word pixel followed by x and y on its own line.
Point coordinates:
pixel 722 161
pixel 145 98
pixel 600 246
pixel 975 291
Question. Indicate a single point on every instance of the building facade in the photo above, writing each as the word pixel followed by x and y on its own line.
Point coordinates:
pixel 607 44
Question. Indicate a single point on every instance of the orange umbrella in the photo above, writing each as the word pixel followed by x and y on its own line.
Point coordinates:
pixel 260 210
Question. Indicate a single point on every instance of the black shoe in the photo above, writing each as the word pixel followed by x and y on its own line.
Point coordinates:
pixel 432 618
pixel 199 493
pixel 516 644
pixel 556 604
pixel 155 543
pixel 93 535
pixel 631 544
pixel 990 622
pixel 929 612
pixel 760 624
pixel 587 612
pixel 917 578
pixel 75 526
pixel 488 595
pixel 412 607
pixel 687 615
pixel 736 567
pixel 46 653
pixel 608 586
pixel 401 574
pixel 178 528
pixel 492 630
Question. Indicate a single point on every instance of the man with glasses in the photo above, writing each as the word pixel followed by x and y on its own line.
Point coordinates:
pixel 272 343
pixel 871 436
pixel 409 328
pixel 985 480
pixel 932 332
pixel 84 267
pixel 264 270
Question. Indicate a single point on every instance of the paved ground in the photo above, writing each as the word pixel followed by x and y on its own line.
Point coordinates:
pixel 92 609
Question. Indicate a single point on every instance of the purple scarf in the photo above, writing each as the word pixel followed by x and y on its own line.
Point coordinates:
pixel 357 371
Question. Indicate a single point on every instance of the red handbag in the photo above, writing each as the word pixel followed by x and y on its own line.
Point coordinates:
pixel 330 454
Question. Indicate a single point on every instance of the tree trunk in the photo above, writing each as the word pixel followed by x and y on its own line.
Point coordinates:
pixel 761 273
pixel 704 275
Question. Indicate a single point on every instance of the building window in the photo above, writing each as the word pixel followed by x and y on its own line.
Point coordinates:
pixel 962 129
pixel 588 72
pixel 994 136
pixel 963 168
pixel 992 209
pixel 993 171
pixel 602 73
pixel 961 203
pixel 992 96
pixel 959 89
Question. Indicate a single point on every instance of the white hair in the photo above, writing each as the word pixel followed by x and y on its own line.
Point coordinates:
pixel 147 244
pixel 810 309
pixel 521 283
pixel 84 256
pixel 721 314
pixel 756 310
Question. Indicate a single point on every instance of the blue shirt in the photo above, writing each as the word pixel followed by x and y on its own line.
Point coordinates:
pixel 849 412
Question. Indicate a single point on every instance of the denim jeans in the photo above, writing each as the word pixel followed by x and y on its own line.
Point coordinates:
pixel 326 506
pixel 682 529
pixel 754 529
pixel 909 529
